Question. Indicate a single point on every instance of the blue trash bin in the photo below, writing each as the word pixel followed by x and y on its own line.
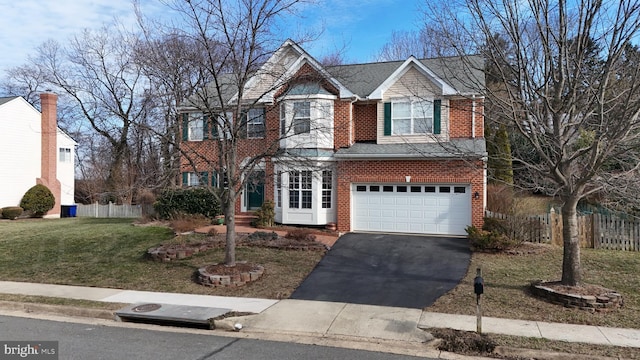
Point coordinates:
pixel 72 210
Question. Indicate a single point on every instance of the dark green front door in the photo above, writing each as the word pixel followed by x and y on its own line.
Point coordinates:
pixel 255 190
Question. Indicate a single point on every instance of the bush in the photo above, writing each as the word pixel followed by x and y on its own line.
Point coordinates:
pixel 300 235
pixel 491 241
pixel 11 212
pixel 265 215
pixel 38 200
pixel 263 236
pixel 187 201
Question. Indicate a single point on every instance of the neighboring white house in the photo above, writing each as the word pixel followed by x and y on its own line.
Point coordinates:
pixel 33 150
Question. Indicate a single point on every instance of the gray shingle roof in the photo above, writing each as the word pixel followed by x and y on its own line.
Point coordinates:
pixel 4 100
pixel 464 74
pixel 454 149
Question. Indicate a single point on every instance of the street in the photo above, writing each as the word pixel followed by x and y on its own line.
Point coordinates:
pixel 87 341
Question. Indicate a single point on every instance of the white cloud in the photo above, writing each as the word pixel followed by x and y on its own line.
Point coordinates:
pixel 27 23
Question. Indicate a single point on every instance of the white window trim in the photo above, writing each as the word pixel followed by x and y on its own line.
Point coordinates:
pixel 412 118
pixel 251 121
pixel 64 155
pixel 194 122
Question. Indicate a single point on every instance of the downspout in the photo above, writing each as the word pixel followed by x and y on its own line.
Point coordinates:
pixel 473 116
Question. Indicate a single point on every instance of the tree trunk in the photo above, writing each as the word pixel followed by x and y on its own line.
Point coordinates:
pixel 571 258
pixel 230 220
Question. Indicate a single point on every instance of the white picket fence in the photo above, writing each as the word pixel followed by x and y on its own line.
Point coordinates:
pixel 113 211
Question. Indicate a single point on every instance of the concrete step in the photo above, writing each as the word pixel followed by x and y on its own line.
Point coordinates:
pixel 169 314
pixel 245 219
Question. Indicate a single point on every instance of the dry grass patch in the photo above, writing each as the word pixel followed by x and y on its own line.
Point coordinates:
pixel 507 278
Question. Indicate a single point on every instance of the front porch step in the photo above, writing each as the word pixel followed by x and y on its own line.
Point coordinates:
pixel 245 219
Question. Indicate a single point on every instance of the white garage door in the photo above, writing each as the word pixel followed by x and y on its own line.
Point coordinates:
pixel 424 209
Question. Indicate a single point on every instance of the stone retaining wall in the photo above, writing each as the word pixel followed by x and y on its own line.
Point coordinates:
pixel 207 279
pixel 606 301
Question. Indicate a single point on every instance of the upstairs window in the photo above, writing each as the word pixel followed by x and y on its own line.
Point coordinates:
pixel 414 117
pixel 301 117
pixel 255 124
pixel 195 127
pixel 407 117
pixel 65 155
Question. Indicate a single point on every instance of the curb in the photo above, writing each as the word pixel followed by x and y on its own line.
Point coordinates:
pixel 64 310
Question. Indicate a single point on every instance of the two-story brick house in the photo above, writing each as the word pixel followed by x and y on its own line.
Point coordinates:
pixel 390 146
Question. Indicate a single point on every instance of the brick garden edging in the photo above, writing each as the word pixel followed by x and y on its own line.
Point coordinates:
pixel 242 278
pixel 166 253
pixel 606 301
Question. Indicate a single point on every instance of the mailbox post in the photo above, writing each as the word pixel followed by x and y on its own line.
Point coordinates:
pixel 478 289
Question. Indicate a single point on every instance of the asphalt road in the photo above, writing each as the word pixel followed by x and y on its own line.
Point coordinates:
pixel 408 271
pixel 89 342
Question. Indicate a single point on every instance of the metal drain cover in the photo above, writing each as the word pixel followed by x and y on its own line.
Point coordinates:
pixel 146 308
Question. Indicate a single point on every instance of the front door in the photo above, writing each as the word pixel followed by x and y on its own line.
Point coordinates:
pixel 255 190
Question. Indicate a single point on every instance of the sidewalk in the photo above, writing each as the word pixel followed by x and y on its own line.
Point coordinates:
pixel 326 319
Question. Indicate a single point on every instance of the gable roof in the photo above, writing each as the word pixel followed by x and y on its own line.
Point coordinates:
pixel 464 74
pixel 4 100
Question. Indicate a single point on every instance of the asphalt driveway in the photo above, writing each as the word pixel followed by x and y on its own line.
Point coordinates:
pixel 408 271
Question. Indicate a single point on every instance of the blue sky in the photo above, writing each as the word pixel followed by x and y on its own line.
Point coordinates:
pixel 360 27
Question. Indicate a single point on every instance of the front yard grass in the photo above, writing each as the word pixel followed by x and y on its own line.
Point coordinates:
pixel 112 253
pixel 507 278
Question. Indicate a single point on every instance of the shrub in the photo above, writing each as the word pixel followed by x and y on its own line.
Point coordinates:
pixel 491 241
pixel 38 200
pixel 265 215
pixel 11 212
pixel 187 201
pixel 300 235
pixel 263 236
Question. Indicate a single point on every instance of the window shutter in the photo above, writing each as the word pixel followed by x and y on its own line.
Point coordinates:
pixel 387 119
pixel 185 126
pixel 243 125
pixel 205 127
pixel 185 179
pixel 214 178
pixel 204 178
pixel 437 104
pixel 215 121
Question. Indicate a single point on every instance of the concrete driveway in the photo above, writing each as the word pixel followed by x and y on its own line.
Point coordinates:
pixel 410 271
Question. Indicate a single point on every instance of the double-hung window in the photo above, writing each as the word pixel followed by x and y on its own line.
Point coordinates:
pixel 279 189
pixel 412 117
pixel 255 124
pixel 326 189
pixel 65 155
pixel 195 127
pixel 301 117
pixel 300 189
pixel 195 178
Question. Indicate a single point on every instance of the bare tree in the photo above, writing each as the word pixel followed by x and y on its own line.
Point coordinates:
pixel 96 70
pixel 574 99
pixel 232 41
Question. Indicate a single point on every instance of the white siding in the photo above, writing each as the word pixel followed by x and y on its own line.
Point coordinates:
pixel 413 85
pixel 66 170
pixel 20 150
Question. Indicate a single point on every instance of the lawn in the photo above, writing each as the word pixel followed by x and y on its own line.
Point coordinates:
pixel 111 253
pixel 507 278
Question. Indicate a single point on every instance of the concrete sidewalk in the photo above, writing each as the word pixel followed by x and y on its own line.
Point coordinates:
pixel 327 319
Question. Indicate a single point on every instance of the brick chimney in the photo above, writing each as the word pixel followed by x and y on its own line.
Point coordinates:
pixel 49 154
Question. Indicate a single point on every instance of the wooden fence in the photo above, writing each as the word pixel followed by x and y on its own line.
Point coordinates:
pixel 113 211
pixel 596 231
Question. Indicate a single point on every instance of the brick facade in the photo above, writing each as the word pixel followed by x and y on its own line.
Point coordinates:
pixel 421 172
pixel 356 120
